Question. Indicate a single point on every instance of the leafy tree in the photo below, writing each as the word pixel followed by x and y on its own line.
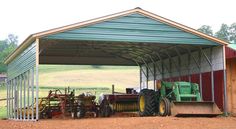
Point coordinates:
pixel 223 33
pixel 206 29
pixel 6 47
pixel 232 33
pixel 226 33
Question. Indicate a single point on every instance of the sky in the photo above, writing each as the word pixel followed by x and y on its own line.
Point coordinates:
pixel 25 17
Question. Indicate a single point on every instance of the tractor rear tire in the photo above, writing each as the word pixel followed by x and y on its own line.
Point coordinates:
pixel 147 102
pixel 164 107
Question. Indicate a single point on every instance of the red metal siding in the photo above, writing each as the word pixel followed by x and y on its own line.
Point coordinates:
pixel 206 86
pixel 230 53
pixel 219 88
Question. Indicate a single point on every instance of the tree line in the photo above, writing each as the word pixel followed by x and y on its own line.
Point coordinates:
pixel 226 33
pixel 7 46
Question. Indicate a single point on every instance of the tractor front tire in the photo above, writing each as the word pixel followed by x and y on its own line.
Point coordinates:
pixel 164 107
pixel 147 102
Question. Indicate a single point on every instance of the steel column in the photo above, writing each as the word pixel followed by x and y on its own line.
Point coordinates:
pixel 154 77
pixel 17 98
pixel 20 97
pixel 32 91
pixel 200 72
pixel 37 78
pixel 6 84
pixel 15 105
pixel 24 76
pixel 12 99
pixel 189 69
pixel 28 93
pixel 147 77
pixel 212 77
pixel 140 79
pixel 10 94
pixel 225 83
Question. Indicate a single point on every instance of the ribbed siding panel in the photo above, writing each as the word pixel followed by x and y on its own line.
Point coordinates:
pixel 132 28
pixel 22 62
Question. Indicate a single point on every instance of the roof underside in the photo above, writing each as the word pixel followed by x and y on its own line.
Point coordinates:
pixel 108 53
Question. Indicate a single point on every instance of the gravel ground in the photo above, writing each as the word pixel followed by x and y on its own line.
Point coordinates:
pixel 126 123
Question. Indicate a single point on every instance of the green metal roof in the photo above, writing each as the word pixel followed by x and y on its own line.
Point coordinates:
pixel 132 28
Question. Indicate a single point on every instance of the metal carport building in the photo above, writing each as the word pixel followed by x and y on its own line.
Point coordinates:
pixel 164 50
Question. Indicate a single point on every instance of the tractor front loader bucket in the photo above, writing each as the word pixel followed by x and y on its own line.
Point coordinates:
pixel 208 109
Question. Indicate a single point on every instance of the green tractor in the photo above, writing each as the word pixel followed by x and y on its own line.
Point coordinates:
pixel 176 99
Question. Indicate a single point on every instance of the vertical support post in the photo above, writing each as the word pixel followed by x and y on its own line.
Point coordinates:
pixel 140 79
pixel 37 78
pixel 15 80
pixel 9 83
pixel 24 76
pixel 200 72
pixel 154 77
pixel 20 100
pixel 9 96
pixel 162 70
pixel 225 89
pixel 17 97
pixel 32 92
pixel 28 94
pixel 6 84
pixel 212 77
pixel 12 98
pixel 189 69
pixel 147 77
pixel 170 65
pixel 179 67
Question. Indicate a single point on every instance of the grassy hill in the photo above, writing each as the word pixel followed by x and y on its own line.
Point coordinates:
pixel 94 79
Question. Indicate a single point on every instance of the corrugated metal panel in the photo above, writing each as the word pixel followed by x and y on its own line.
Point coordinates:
pixel 205 67
pixel 22 62
pixel 219 87
pixel 132 28
pixel 230 53
pixel 206 86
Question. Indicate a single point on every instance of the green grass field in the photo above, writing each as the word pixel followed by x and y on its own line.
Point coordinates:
pixel 94 79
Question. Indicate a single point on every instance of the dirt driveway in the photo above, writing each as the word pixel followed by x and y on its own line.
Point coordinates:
pixel 126 123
